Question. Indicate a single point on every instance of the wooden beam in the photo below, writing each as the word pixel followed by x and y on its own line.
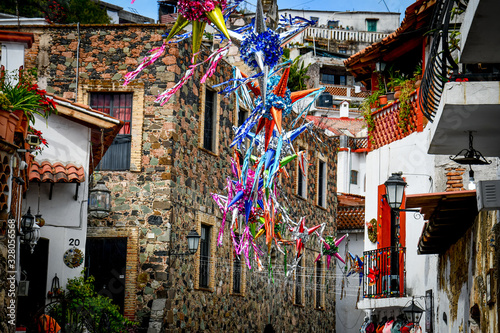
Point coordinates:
pixel 86 118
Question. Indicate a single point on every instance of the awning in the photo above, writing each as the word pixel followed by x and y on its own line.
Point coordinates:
pixel 47 172
pixel 448 214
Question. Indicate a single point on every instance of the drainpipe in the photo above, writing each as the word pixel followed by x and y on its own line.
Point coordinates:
pixel 77 61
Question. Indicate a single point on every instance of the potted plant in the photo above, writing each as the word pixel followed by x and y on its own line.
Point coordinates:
pixel 25 98
pixel 8 120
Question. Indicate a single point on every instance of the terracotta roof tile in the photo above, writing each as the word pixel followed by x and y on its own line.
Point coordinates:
pixel 352 125
pixel 47 172
pixel 350 217
pixel 346 199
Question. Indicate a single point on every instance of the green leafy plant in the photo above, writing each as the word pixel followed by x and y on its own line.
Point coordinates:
pixel 87 308
pixel 23 93
pixel 298 72
pixel 405 106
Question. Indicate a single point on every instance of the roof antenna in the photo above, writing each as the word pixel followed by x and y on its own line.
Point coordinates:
pixel 386 6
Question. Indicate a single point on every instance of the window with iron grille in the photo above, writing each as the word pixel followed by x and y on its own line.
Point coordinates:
pixel 354 177
pixel 118 105
pixel 298 283
pixel 319 267
pixel 205 256
pixel 210 120
pixel 321 183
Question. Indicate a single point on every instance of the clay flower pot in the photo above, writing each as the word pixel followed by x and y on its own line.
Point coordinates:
pixel 382 99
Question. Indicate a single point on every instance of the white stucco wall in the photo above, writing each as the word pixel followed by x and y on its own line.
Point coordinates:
pixel 387 22
pixel 346 162
pixel 349 319
pixel 408 155
pixel 65 217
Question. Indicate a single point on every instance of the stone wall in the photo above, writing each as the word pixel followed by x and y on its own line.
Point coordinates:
pixel 171 181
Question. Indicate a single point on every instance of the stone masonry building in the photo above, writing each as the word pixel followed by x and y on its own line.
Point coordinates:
pixel 159 172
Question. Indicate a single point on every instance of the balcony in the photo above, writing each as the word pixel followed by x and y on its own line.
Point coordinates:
pixel 344 91
pixel 467 106
pixel 479 31
pixel 388 127
pixel 384 273
pixel 343 35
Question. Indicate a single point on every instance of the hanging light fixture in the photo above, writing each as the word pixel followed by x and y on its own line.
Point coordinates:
pixel 100 195
pixel 30 230
pixel 99 200
pixel 193 241
pixel 27 221
pixel 413 313
pixel 470 156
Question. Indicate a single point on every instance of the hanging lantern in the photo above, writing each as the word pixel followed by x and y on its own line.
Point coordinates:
pixel 193 241
pixel 27 221
pixel 99 200
pixel 32 237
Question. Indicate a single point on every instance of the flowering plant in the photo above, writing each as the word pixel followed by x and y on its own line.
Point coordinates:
pixel 23 94
pixel 44 143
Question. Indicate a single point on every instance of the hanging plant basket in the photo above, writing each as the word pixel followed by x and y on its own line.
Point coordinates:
pixel 372 230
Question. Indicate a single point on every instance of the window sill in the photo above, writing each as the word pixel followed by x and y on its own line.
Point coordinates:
pixel 210 290
pixel 298 196
pixel 299 305
pixel 208 151
pixel 237 294
pixel 321 207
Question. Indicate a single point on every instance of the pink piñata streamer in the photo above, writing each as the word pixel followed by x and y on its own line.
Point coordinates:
pixel 148 60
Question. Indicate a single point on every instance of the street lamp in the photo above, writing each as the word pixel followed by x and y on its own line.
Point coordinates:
pixel 395 191
pixel 193 239
pixel 413 313
pixel 99 200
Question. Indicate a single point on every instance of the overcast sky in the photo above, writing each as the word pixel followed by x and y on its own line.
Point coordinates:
pixel 149 7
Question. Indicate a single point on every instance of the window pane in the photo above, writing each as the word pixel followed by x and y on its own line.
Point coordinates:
pixel 298 283
pixel 204 256
pixel 236 271
pixel 318 284
pixel 208 129
pixel 321 184
pixel 118 105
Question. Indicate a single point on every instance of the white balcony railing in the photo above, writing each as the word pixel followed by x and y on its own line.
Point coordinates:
pixel 344 35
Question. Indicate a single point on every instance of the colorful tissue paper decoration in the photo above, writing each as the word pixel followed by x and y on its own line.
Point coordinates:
pixel 253 203
pixel 330 249
pixel 259 45
pixel 373 276
pixel 355 266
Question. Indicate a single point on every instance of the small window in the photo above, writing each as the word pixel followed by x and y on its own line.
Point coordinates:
pixel 236 271
pixel 205 256
pixel 371 25
pixel 298 283
pixel 354 177
pixel 319 285
pixel 302 183
pixel 118 105
pixel 333 79
pixel 333 24
pixel 210 120
pixel 343 50
pixel 242 116
pixel 315 18
pixel 321 183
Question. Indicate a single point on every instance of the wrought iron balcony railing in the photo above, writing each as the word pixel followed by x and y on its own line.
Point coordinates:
pixel 384 273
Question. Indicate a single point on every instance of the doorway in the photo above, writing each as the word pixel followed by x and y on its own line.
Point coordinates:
pixel 34 272
pixel 105 260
